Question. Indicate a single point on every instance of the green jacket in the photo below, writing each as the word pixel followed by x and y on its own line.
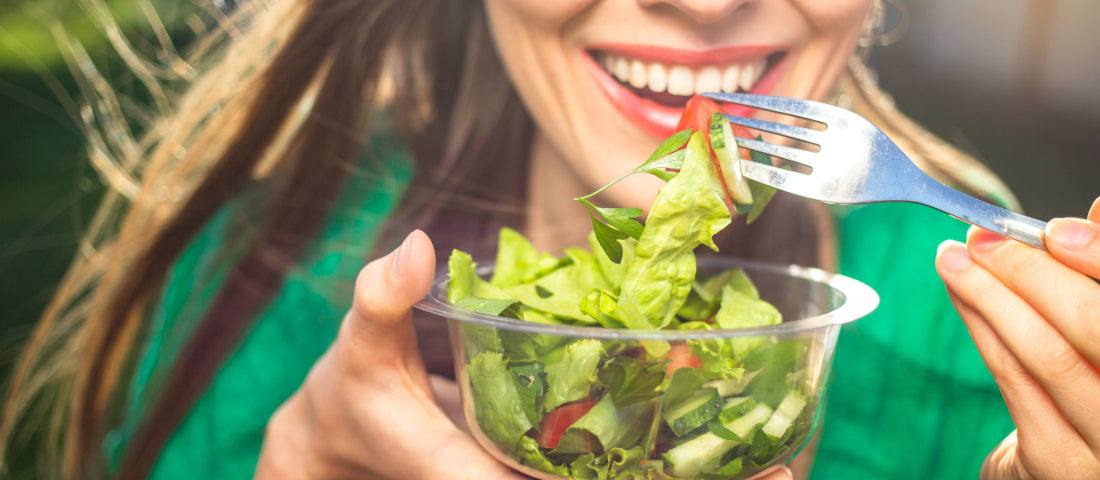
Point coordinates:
pixel 910 397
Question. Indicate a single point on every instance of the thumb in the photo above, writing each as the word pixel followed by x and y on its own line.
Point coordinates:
pixel 377 345
pixel 378 330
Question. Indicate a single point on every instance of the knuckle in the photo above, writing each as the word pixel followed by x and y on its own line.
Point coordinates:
pixel 1072 465
pixel 1007 371
pixel 279 424
pixel 1019 261
pixel 1090 326
pixel 1040 458
pixel 1080 304
pixel 1060 361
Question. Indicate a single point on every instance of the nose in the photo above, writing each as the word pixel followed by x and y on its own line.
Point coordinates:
pixel 701 11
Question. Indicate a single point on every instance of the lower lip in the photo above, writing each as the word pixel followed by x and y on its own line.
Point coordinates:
pixel 660 120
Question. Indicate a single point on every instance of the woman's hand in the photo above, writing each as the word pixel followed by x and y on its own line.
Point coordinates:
pixel 367 409
pixel 1035 318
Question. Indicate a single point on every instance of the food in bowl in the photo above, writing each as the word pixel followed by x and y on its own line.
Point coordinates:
pixel 634 359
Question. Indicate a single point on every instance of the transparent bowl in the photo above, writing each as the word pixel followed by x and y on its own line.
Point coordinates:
pixel 517 407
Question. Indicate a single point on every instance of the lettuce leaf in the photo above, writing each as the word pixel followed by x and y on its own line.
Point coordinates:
pixel 497 402
pixel 561 291
pixel 464 281
pixel 571 377
pixel 528 453
pixel 609 427
pixel 687 212
pixel 518 261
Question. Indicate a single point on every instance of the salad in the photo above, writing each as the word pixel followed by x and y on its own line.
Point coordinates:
pixel 586 408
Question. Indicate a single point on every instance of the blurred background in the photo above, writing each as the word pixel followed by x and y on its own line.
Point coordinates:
pixel 1013 82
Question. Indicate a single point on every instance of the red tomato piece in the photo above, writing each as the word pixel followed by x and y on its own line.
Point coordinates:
pixel 680 356
pixel 554 424
pixel 697 114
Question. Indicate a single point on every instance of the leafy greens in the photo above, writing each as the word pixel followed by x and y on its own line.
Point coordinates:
pixel 636 409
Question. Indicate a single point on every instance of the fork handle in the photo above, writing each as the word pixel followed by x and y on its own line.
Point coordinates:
pixel 986 215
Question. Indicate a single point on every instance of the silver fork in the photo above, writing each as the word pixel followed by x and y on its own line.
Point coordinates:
pixel 857 163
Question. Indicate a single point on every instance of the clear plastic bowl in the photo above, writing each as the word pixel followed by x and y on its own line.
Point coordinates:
pixel 814 305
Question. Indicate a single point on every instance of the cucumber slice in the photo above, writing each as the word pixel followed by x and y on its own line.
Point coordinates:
pixel 743 425
pixel 785 414
pixel 735 408
pixel 696 411
pixel 706 451
pixel 702 453
pixel 728 387
pixel 724 145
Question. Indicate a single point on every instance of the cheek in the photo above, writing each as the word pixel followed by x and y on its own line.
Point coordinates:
pixel 541 13
pixel 835 15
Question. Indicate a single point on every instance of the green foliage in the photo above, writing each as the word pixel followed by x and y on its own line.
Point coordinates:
pixel 31 31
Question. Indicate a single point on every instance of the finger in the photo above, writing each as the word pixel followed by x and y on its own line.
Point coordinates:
pixel 1063 296
pixel 449 399
pixel 778 472
pixel 1004 462
pixel 1030 359
pixel 1012 459
pixel 1046 439
pixel 1046 434
pixel 1076 242
pixel 407 436
pixel 411 437
pixel 378 329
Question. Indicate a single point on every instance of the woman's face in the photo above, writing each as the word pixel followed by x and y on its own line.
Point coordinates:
pixel 606 80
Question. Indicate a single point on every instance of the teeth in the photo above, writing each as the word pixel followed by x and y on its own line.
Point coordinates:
pixel 750 74
pixel 708 80
pixel 638 74
pixel 731 79
pixel 683 80
pixel 622 69
pixel 658 77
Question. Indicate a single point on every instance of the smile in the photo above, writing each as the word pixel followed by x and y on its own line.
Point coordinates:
pixel 682 80
pixel 650 85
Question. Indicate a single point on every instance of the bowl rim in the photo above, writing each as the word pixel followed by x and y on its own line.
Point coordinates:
pixel 859 301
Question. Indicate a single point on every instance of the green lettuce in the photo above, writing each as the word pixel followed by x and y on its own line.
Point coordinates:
pixel 631 276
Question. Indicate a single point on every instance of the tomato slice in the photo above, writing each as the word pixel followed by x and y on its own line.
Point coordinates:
pixel 696 116
pixel 554 424
pixel 680 356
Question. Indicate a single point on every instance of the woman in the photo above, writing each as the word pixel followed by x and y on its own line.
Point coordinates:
pixel 476 115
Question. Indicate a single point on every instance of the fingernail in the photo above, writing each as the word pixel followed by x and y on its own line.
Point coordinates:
pixel 982 240
pixel 953 256
pixel 401 256
pixel 1070 233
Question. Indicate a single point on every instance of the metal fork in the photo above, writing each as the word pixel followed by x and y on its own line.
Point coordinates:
pixel 857 163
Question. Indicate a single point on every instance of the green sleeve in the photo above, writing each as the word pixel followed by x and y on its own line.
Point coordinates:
pixel 222 435
pixel 910 396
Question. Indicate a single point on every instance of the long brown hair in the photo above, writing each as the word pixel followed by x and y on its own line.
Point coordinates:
pixel 292 91
pixel 285 108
